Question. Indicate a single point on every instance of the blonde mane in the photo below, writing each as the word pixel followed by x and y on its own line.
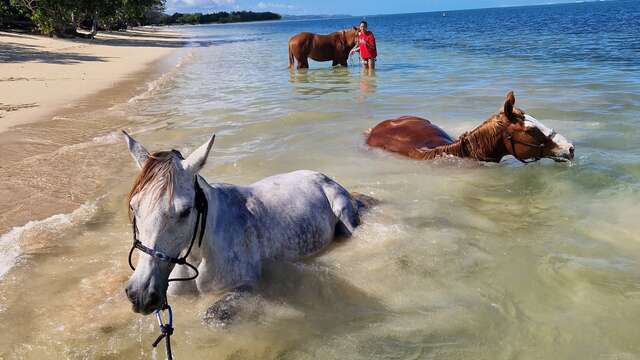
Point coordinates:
pixel 157 175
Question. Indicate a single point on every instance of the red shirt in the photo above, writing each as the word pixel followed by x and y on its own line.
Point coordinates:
pixel 367 43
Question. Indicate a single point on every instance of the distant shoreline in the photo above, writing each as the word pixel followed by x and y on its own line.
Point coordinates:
pixel 221 17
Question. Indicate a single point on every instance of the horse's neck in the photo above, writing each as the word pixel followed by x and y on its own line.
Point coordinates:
pixel 482 143
pixel 454 149
pixel 224 198
pixel 226 209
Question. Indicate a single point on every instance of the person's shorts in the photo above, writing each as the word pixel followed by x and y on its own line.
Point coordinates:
pixel 366 61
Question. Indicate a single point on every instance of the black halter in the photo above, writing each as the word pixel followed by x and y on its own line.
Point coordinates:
pixel 537 146
pixel 201 206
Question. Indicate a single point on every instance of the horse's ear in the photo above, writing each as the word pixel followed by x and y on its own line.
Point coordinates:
pixel 508 106
pixel 198 158
pixel 355 28
pixel 138 152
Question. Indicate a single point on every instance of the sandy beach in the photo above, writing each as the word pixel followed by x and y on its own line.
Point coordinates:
pixel 55 95
pixel 41 75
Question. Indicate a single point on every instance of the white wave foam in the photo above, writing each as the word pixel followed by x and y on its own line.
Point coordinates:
pixel 10 241
pixel 110 138
pixel 156 84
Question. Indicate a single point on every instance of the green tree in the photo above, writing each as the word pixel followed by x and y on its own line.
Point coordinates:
pixel 63 17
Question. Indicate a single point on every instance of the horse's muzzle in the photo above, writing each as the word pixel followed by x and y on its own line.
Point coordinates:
pixel 145 302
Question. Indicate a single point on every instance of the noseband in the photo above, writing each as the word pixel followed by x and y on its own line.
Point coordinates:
pixel 536 146
pixel 201 207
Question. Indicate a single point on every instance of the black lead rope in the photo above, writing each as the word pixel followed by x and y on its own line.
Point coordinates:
pixel 166 329
pixel 201 207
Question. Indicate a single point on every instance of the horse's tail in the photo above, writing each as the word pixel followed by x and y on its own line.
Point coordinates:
pixel 291 58
pixel 363 202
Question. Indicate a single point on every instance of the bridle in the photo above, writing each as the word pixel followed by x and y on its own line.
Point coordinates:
pixel 200 206
pixel 541 147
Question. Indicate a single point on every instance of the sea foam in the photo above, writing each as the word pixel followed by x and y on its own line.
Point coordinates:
pixel 10 241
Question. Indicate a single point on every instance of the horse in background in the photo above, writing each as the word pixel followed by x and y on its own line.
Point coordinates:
pixel 509 132
pixel 333 47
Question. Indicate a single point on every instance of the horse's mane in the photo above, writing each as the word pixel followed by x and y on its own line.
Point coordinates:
pixel 157 174
pixel 478 143
pixel 482 139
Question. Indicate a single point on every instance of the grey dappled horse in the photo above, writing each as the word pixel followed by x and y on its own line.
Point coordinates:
pixel 282 217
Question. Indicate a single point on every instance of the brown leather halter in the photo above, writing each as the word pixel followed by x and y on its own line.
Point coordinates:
pixel 537 146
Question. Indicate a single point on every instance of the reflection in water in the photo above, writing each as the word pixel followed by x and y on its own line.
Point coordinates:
pixel 368 82
pixel 321 81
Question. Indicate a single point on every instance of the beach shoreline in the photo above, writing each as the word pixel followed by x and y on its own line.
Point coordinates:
pixel 58 95
pixel 41 77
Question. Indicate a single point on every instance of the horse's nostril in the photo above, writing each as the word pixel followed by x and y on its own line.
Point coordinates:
pixel 153 298
pixel 571 151
pixel 131 295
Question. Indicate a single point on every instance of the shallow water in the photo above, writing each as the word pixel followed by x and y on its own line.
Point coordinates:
pixel 461 260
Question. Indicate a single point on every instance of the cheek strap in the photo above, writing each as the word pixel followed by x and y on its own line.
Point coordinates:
pixel 515 154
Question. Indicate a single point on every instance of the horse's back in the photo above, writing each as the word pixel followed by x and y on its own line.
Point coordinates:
pixel 296 210
pixel 302 36
pixel 407 135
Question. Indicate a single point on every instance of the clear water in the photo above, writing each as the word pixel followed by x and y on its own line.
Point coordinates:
pixel 461 260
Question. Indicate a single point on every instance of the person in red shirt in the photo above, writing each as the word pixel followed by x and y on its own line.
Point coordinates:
pixel 366 46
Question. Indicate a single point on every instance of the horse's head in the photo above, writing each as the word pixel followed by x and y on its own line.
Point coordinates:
pixel 162 207
pixel 351 37
pixel 527 138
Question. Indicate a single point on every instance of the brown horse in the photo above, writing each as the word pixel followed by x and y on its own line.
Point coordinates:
pixel 334 47
pixel 509 132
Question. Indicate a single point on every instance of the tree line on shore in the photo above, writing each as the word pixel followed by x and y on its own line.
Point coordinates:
pixel 218 17
pixel 63 18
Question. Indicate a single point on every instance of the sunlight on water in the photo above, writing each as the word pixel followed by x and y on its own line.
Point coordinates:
pixel 461 260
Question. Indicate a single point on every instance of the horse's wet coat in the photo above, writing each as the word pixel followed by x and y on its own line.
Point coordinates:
pixel 283 217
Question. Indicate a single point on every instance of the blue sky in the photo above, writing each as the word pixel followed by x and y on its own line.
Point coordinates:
pixel 350 7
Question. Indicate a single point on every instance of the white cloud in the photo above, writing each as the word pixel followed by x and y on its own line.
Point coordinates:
pixel 269 5
pixel 198 5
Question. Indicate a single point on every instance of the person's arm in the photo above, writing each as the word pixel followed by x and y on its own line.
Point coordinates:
pixel 356 48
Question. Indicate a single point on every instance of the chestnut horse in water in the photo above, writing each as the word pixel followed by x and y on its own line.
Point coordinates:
pixel 335 47
pixel 510 132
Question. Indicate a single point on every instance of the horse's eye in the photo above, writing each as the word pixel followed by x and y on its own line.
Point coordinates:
pixel 184 213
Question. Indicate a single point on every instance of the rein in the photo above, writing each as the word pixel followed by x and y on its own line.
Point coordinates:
pixel 201 206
